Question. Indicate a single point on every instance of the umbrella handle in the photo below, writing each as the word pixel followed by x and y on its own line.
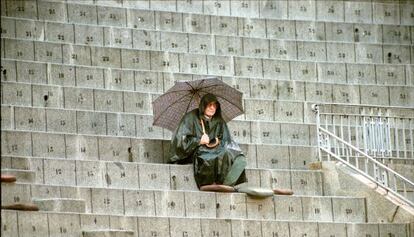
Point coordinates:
pixel 202 126
pixel 204 133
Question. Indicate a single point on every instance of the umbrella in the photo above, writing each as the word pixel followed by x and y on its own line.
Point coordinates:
pixel 185 96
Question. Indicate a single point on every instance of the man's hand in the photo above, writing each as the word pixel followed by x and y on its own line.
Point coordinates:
pixel 204 139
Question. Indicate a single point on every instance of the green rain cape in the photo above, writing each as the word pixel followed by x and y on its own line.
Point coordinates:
pixel 224 164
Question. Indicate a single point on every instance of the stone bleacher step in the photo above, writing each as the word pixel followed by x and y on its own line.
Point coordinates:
pixel 108 233
pixel 22 176
pixel 367 12
pixel 410 196
pixel 61 205
pixel 409 193
pixel 51 224
pixel 135 175
pixel 396 161
pixel 406 170
pixel 195 204
pixel 143 150
pixel 147 16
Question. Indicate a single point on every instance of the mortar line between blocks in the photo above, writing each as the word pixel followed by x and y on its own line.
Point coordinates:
pixel 155 203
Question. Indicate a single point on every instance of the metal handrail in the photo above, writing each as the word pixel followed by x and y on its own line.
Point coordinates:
pixel 369 115
pixel 367 106
pixel 370 178
pixel 382 173
pixel 367 156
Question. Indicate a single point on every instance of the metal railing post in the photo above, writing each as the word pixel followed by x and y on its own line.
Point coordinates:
pixel 411 138
pixel 397 145
pixel 315 109
pixel 403 139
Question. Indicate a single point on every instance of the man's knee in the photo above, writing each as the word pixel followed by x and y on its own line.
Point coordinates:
pixel 240 161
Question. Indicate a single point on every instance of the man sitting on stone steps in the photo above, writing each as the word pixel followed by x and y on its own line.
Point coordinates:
pixel 203 138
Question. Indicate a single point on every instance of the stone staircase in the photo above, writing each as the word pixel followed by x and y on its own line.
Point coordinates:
pixel 77 83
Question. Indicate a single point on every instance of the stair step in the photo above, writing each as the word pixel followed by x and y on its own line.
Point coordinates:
pixel 113 174
pixel 61 205
pixel 195 204
pixel 99 225
pixel 22 176
pixel 107 233
pixel 274 156
pixel 405 170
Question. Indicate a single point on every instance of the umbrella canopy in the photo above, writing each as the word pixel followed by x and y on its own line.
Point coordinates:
pixel 185 96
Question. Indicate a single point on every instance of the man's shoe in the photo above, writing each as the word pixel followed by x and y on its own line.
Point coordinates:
pixel 8 178
pixel 21 207
pixel 217 188
pixel 282 191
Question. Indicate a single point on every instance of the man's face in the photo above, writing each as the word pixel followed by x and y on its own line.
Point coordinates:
pixel 210 109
